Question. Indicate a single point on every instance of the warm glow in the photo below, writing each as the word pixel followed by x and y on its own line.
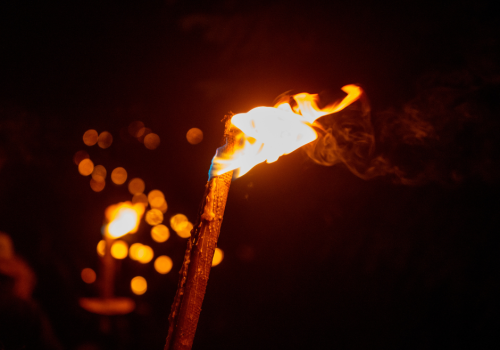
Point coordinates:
pixel 101 247
pixel 160 233
pixel 136 186
pixel 218 256
pixel 123 218
pixel 105 139
pixel 177 220
pixel 139 285
pixel 99 173
pixel 152 141
pixel 134 251
pixel 88 275
pixel 119 249
pixel 266 133
pixel 184 229
pixel 79 156
pixel 145 254
pixel 163 264
pixel 140 198
pixel 119 176
pixel 154 217
pixel 163 208
pixel 86 167
pixel 97 186
pixel 194 136
pixel 90 137
pixel 156 198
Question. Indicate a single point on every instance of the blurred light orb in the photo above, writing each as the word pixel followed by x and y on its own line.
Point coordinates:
pixel 119 249
pixel 136 186
pixel 160 233
pixel 90 137
pixel 99 173
pixel 163 208
pixel 152 141
pixel 143 133
pixel 86 167
pixel 139 285
pixel 119 176
pixel 184 230
pixel 146 254
pixel 135 251
pixel 79 156
pixel 105 139
pixel 101 247
pixel 156 199
pixel 194 136
pixel 163 264
pixel 135 128
pixel 154 217
pixel 97 186
pixel 140 198
pixel 177 220
pixel 218 257
pixel 88 275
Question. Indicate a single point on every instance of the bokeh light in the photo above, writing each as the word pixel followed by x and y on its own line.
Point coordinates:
pixel 140 198
pixel 139 285
pixel 194 136
pixel 156 199
pixel 184 229
pixel 160 233
pixel 88 275
pixel 105 139
pixel 119 249
pixel 79 156
pixel 135 251
pixel 152 141
pixel 86 167
pixel 177 220
pixel 135 128
pixel 154 217
pixel 163 264
pixel 101 247
pixel 218 256
pixel 99 173
pixel 136 186
pixel 143 133
pixel 145 254
pixel 90 137
pixel 119 175
pixel 97 186
pixel 181 225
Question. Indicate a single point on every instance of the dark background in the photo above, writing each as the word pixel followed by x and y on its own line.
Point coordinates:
pixel 315 257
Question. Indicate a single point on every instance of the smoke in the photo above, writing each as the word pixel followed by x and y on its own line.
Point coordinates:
pixel 447 134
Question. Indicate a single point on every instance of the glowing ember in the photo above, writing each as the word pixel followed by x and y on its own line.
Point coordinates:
pixel 267 133
pixel 123 218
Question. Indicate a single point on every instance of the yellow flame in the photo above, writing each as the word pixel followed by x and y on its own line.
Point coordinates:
pixel 267 133
pixel 123 218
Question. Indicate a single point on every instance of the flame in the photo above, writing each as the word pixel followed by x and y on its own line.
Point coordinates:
pixel 123 218
pixel 267 133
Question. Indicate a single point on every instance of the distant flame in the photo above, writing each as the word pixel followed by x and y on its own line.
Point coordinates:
pixel 123 218
pixel 267 133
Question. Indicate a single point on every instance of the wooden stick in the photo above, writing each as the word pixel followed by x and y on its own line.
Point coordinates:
pixel 193 279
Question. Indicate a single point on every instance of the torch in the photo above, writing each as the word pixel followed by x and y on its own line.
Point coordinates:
pixel 121 218
pixel 262 134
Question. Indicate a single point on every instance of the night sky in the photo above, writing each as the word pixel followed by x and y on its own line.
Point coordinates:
pixel 315 257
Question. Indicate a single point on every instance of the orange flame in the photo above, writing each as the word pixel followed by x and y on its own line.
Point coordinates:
pixel 267 133
pixel 123 218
